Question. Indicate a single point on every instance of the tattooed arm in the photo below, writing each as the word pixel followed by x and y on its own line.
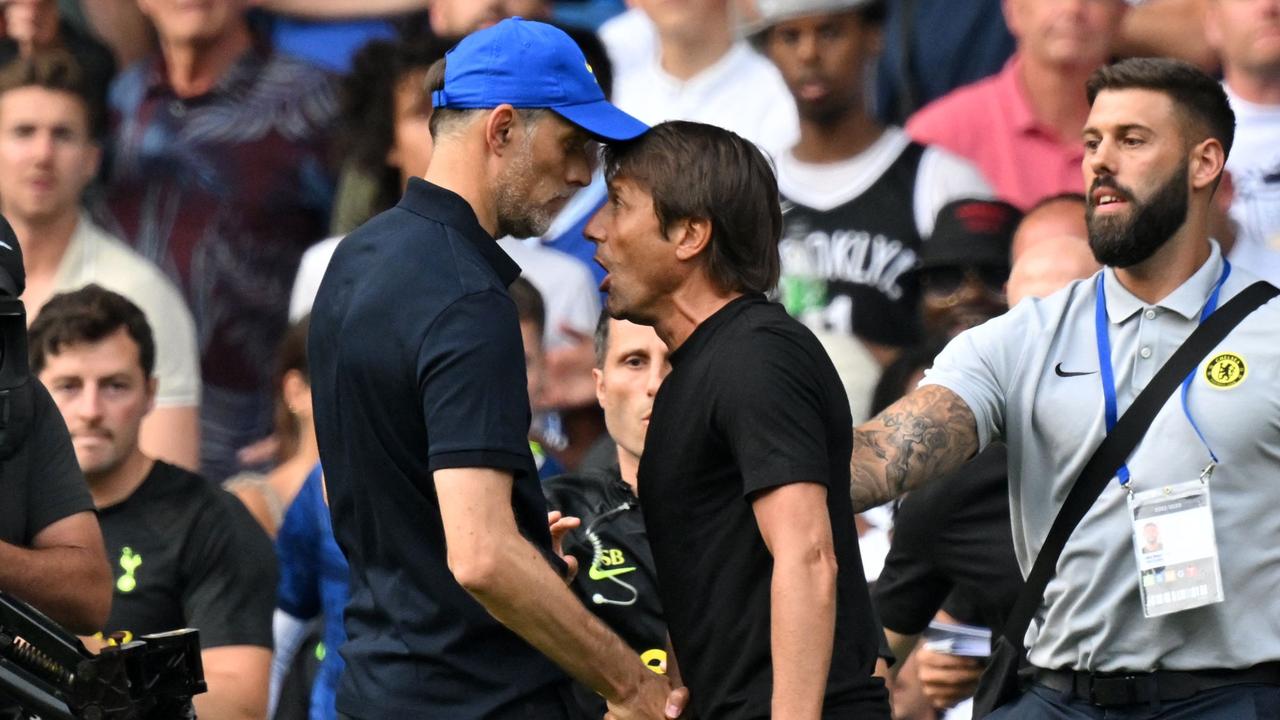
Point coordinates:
pixel 928 433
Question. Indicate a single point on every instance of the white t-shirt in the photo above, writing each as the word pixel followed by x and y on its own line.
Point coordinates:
pixel 95 256
pixel 1254 165
pixel 941 178
pixel 742 92
pixel 629 38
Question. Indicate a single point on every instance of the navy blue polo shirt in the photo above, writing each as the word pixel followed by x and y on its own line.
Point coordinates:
pixel 417 365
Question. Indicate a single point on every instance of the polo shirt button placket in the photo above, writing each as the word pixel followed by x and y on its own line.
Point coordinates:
pixel 1150 314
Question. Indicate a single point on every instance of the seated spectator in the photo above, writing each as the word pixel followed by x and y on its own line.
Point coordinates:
pixel 28 27
pixel 185 553
pixel 859 198
pixel 48 156
pixel 616 577
pixel 220 177
pixel 313 583
pixel 269 496
pixel 1243 33
pixel 1021 127
pixel 701 72
pixel 1050 249
pixel 964 266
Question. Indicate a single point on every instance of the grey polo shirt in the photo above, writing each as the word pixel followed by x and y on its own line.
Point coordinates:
pixel 1091 618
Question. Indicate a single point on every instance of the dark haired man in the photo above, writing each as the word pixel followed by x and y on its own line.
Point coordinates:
pixel 1113 636
pixel 859 198
pixel 457 606
pixel 618 583
pixel 185 553
pixel 743 479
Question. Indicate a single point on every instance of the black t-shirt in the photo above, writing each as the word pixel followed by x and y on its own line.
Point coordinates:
pixel 952 537
pixel 752 402
pixel 615 579
pixel 41 483
pixel 185 553
pixel 417 365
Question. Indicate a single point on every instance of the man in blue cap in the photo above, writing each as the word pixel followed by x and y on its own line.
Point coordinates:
pixel 459 608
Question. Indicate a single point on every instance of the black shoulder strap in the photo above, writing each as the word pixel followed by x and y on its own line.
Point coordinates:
pixel 1119 444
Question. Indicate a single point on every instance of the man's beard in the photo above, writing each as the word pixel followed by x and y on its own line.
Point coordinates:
pixel 518 214
pixel 1123 242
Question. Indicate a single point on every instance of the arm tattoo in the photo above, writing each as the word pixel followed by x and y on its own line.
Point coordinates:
pixel 928 433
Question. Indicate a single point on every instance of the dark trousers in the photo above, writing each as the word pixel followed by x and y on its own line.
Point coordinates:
pixel 1234 702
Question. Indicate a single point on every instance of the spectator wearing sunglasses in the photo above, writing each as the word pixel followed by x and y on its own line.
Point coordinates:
pixel 964 266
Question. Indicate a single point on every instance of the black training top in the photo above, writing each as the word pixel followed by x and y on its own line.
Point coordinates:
pixel 952 536
pixel 41 483
pixel 417 365
pixel 615 577
pixel 185 553
pixel 752 402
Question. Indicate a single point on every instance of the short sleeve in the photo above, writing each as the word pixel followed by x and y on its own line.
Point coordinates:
pixel 471 377
pixel 231 576
pixel 297 545
pixel 979 365
pixel 57 487
pixel 771 413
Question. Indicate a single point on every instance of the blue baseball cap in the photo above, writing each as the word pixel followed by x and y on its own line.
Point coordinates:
pixel 529 64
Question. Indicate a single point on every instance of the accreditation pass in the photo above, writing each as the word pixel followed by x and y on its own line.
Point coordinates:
pixel 1176 548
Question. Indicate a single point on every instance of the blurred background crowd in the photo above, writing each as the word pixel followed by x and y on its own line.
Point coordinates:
pixel 202 158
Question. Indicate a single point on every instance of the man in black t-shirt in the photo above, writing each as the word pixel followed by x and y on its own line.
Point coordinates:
pixel 745 470
pixel 619 583
pixel 184 553
pixel 50 545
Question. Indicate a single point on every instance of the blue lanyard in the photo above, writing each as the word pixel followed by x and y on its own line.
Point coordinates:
pixel 1108 374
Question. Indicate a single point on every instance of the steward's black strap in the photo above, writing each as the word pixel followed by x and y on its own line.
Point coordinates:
pixel 1119 444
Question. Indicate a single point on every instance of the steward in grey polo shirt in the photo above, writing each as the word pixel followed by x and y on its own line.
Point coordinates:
pixel 1157 136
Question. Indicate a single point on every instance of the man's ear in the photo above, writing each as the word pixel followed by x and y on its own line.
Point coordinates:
pixel 500 128
pixel 1207 162
pixel 691 236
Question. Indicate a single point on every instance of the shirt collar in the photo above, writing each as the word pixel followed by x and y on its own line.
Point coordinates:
pixel 1187 300
pixel 448 208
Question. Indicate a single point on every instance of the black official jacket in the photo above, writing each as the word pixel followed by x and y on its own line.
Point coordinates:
pixel 615 566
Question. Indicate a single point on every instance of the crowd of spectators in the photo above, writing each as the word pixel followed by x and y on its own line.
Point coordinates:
pixel 196 164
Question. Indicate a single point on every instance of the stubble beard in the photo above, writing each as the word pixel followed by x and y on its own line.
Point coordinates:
pixel 1122 242
pixel 518 214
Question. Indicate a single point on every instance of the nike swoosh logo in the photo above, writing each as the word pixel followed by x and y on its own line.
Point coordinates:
pixel 1067 373
pixel 596 573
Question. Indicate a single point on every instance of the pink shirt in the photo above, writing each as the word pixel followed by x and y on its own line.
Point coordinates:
pixel 990 122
